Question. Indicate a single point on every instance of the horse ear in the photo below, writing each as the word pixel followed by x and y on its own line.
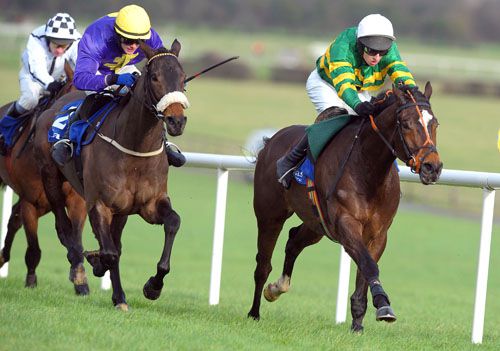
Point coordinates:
pixel 428 90
pixel 148 51
pixel 68 71
pixel 175 48
pixel 399 94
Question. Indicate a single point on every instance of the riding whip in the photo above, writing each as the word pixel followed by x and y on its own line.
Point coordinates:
pixel 210 68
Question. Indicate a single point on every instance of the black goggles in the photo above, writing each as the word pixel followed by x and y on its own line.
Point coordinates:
pixel 373 52
pixel 128 41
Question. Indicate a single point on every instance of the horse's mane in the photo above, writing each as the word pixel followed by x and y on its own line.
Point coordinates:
pixel 387 97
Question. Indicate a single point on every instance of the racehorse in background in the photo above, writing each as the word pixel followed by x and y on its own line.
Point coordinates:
pixel 357 192
pixel 125 168
pixel 19 170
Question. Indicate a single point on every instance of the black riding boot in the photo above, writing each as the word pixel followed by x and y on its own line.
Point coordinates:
pixel 175 157
pixel 287 164
pixel 62 151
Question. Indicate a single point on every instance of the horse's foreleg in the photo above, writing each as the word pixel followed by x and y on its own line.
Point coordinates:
pixel 349 231
pixel 118 297
pixel 33 253
pixel 359 303
pixel 298 239
pixel 171 223
pixel 13 226
pixel 100 218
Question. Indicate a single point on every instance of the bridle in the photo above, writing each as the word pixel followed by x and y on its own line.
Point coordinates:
pixel 151 102
pixel 413 159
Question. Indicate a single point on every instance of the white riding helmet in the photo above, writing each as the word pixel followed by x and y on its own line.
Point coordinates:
pixel 61 29
pixel 375 32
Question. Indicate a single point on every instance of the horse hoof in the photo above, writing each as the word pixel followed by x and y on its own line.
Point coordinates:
pixel 31 281
pixel 150 291
pixel 357 329
pixel 386 314
pixel 269 295
pixel 255 317
pixel 82 289
pixel 122 307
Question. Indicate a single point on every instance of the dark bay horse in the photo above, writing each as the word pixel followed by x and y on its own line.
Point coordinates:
pixel 125 168
pixel 19 170
pixel 358 194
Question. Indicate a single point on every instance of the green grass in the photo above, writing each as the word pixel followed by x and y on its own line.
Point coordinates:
pixel 428 270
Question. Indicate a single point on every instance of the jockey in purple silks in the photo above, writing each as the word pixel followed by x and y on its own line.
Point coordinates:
pixel 107 54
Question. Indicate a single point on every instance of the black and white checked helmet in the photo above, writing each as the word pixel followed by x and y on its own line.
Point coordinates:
pixel 61 26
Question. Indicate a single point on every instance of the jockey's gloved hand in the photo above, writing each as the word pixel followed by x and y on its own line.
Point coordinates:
pixel 365 109
pixel 127 79
pixel 54 87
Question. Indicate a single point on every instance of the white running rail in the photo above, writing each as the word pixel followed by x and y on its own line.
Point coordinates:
pixel 225 163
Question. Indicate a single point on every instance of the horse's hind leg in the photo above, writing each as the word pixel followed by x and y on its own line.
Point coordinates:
pixel 33 253
pixel 268 232
pixel 13 226
pixel 299 238
pixel 171 223
pixel 77 214
pixel 53 186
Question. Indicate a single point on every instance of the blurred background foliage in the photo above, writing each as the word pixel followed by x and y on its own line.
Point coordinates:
pixel 457 21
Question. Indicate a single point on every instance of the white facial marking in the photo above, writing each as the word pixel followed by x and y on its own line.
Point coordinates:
pixel 427 117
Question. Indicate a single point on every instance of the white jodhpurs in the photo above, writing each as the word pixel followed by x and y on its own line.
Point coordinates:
pixel 324 95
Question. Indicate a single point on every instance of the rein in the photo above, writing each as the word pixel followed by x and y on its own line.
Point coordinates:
pixel 151 106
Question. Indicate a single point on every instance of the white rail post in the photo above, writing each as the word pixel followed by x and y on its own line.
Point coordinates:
pixel 106 281
pixel 343 288
pixel 483 265
pixel 6 211
pixel 220 217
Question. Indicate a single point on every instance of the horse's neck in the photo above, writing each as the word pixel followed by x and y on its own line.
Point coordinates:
pixel 136 126
pixel 376 156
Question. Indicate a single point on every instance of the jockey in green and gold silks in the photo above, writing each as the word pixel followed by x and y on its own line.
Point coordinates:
pixel 352 70
pixel 343 67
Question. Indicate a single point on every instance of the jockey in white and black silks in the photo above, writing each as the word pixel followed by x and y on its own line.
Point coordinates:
pixel 42 70
pixel 43 60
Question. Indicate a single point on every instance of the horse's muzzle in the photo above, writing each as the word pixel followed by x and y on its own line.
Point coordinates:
pixel 430 172
pixel 176 124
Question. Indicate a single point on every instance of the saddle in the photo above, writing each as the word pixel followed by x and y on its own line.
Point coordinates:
pixel 11 128
pixel 81 129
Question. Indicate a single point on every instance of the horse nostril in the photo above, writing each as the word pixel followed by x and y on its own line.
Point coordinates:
pixel 427 168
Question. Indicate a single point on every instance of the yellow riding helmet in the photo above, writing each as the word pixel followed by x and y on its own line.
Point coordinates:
pixel 132 22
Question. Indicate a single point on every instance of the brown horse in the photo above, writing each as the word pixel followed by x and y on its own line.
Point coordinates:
pixel 358 191
pixel 125 168
pixel 19 170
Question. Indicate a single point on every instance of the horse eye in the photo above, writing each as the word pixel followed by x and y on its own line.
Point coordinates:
pixel 154 77
pixel 406 124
